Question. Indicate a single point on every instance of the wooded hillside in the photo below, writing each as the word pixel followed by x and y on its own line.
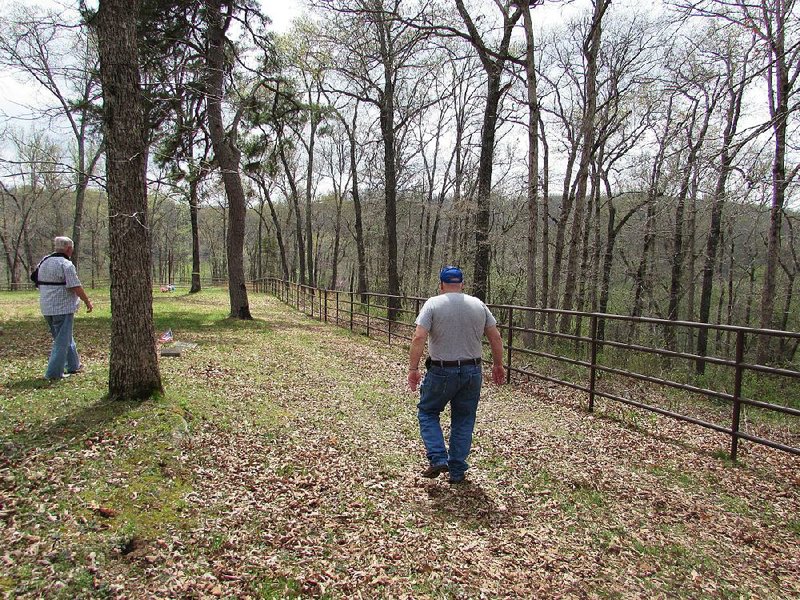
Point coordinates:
pixel 588 157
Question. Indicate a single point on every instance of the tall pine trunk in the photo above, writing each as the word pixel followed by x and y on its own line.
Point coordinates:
pixel 227 156
pixel 193 214
pixel 133 365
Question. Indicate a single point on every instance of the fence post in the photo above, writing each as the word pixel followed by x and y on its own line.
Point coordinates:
pixel 326 306
pixel 367 315
pixel 389 321
pixel 352 304
pixel 593 363
pixel 737 393
pixel 510 342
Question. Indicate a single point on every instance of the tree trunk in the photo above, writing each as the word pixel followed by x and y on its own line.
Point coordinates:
pixel 309 180
pixel 482 218
pixel 591 49
pixel 80 195
pixel 227 156
pixel 779 105
pixel 337 235
pixel 545 220
pixel 594 285
pixel 278 232
pixel 533 167
pixel 390 174
pixel 493 64
pixel 359 223
pixel 677 240
pixel 298 215
pixel 561 228
pixel 193 213
pixel 133 366
pixel 727 154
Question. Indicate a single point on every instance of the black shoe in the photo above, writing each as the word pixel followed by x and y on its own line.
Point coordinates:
pixel 456 480
pixel 434 471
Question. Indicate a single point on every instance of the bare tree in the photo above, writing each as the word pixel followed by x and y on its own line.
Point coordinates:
pixel 534 116
pixel 374 51
pixel 30 181
pixel 734 58
pixel 590 50
pixel 701 92
pixel 62 59
pixel 775 25
pixel 493 61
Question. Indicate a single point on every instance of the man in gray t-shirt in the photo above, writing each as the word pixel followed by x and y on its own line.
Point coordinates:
pixel 456 324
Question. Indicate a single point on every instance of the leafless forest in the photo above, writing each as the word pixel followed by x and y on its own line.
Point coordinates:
pixel 631 158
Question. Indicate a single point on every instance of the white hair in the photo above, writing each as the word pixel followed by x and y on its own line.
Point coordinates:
pixel 62 243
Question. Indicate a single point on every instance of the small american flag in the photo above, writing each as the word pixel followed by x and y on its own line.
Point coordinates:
pixel 166 337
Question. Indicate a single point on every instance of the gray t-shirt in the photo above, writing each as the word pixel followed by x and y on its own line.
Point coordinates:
pixel 455 322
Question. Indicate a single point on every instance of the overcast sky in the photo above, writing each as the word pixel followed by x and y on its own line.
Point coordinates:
pixel 17 94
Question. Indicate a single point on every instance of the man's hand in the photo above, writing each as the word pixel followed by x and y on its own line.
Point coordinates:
pixel 414 377
pixel 496 344
pixel 498 374
pixel 81 293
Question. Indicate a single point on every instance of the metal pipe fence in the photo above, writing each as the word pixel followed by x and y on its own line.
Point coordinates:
pixel 591 347
pixel 27 286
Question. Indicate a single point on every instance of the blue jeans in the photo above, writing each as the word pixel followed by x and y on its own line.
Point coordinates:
pixel 461 387
pixel 64 355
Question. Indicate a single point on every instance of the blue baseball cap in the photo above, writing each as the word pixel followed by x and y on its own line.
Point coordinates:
pixel 451 274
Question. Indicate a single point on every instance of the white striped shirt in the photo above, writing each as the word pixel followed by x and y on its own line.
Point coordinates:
pixel 58 299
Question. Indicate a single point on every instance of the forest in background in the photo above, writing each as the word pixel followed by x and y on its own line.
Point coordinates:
pixel 619 159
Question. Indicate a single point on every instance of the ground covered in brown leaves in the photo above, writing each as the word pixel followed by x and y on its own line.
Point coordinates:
pixel 283 462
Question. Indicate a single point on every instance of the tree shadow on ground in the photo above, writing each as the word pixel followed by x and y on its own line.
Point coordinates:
pixel 467 502
pixel 64 431
pixel 30 383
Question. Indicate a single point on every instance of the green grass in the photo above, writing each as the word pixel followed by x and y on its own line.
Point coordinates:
pixel 130 450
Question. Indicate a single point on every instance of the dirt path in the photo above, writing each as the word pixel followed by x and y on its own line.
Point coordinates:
pixel 560 503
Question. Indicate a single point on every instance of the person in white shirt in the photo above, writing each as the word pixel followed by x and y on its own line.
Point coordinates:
pixel 60 291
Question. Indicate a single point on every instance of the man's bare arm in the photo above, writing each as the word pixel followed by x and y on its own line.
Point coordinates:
pixel 82 295
pixel 417 348
pixel 496 344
